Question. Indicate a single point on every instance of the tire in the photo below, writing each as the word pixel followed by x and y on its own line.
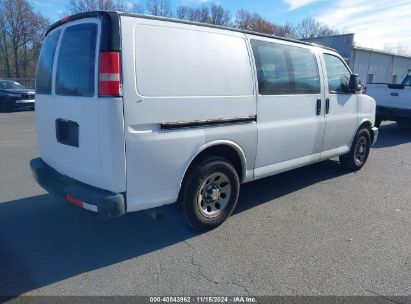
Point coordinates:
pixel 209 193
pixel 378 121
pixel 359 152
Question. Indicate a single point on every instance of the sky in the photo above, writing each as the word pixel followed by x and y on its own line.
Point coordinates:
pixel 376 23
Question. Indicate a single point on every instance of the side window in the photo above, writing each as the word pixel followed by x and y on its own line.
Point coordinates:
pixel 45 64
pixel 285 70
pixel 407 81
pixel 272 70
pixel 76 61
pixel 337 73
pixel 305 71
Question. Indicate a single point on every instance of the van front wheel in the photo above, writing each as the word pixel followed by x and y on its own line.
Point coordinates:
pixel 210 193
pixel 360 149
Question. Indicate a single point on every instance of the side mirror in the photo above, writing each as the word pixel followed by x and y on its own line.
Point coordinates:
pixel 354 85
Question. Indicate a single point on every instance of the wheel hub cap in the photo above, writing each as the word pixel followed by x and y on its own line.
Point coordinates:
pixel 361 150
pixel 214 195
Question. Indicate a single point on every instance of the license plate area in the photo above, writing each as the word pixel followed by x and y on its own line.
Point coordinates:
pixel 67 132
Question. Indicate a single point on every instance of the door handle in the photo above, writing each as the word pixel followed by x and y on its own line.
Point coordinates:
pixel 327 106
pixel 318 107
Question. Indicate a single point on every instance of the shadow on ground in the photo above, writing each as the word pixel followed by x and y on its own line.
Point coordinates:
pixel 22 109
pixel 393 134
pixel 43 241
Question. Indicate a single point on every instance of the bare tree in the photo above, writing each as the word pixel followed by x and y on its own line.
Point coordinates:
pixel 183 12
pixel 245 20
pixel 159 8
pixel 200 15
pixel 216 14
pixel 253 22
pixel 219 15
pixel 21 32
pixel 4 44
pixel 311 28
pixel 193 14
pixel 32 39
pixel 399 49
pixel 79 6
pixel 287 30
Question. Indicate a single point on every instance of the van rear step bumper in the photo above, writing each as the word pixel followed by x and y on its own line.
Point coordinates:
pixel 105 203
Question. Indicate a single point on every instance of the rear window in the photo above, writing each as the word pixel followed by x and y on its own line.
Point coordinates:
pixel 45 64
pixel 76 61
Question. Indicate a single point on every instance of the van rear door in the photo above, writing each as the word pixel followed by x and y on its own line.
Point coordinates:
pixel 80 134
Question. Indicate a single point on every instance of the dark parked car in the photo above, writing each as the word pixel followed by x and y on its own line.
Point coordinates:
pixel 13 96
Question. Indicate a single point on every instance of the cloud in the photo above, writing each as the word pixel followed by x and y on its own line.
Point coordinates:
pixel 376 23
pixel 295 4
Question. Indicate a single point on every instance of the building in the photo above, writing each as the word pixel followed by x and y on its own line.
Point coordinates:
pixel 373 66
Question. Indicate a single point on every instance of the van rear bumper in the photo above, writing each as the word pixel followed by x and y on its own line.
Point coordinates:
pixel 105 203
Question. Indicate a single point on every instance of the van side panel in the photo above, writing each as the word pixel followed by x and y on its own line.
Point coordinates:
pixel 179 74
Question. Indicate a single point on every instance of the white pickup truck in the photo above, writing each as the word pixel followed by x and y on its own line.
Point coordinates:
pixel 393 101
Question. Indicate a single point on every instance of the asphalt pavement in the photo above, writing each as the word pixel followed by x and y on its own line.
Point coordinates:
pixel 317 230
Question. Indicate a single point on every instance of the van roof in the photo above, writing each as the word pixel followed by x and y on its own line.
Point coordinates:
pixel 113 24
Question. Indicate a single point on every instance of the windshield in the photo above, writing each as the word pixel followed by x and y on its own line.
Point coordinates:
pixel 11 85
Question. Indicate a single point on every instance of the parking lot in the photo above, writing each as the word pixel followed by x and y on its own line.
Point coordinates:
pixel 317 230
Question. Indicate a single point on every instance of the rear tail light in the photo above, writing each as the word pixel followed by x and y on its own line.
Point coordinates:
pixel 109 83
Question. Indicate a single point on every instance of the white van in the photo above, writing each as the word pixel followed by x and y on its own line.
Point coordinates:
pixel 135 112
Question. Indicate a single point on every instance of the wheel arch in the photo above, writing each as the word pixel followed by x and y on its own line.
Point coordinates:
pixel 224 148
pixel 367 124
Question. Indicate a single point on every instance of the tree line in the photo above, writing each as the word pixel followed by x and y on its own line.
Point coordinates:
pixel 22 28
pixel 212 14
pixel 21 33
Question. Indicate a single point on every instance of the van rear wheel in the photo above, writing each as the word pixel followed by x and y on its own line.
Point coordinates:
pixel 210 193
pixel 360 149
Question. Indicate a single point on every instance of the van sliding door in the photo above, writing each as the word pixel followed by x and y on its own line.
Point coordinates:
pixel 290 106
